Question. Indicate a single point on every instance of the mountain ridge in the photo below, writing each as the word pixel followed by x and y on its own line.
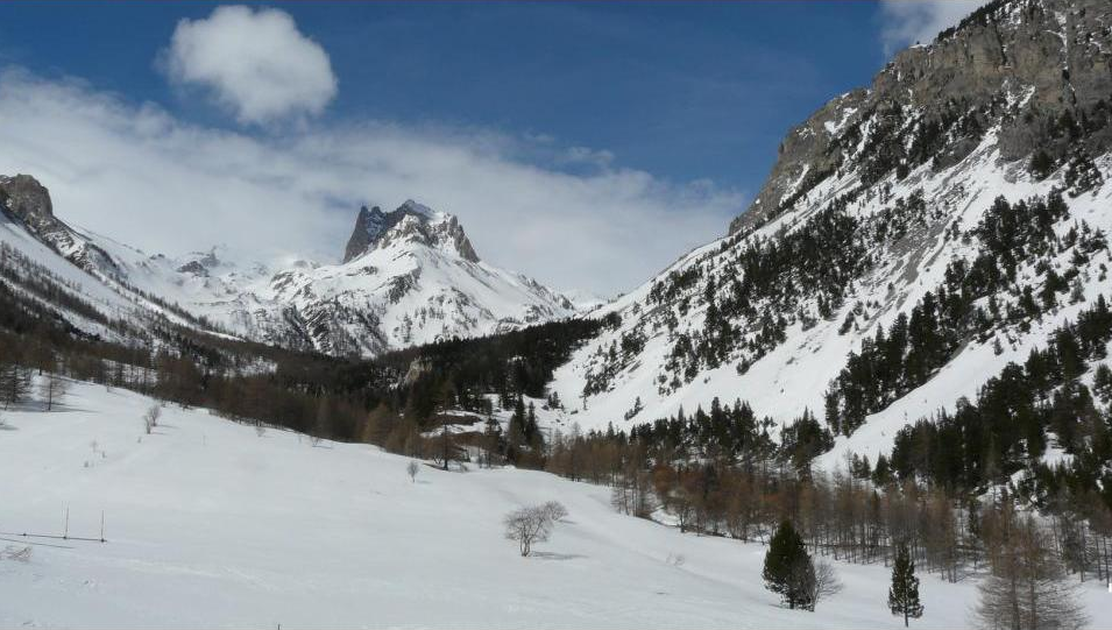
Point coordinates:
pixel 961 80
pixel 894 204
pixel 408 276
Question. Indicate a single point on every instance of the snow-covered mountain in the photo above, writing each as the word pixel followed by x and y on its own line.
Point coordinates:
pixel 882 206
pixel 408 277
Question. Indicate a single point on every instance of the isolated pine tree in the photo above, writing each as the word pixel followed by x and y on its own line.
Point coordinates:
pixel 903 596
pixel 1041 164
pixel 788 570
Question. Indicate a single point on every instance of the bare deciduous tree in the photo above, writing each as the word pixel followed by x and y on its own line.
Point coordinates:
pixel 554 510
pixel 52 389
pixel 445 450
pixel 533 524
pixel 824 584
pixel 633 494
pixel 1028 589
pixel 150 418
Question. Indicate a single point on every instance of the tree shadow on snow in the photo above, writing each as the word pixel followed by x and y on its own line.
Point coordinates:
pixel 549 555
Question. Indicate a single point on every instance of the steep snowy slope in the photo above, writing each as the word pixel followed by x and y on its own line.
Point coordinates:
pixel 209 524
pixel 409 276
pixel 71 271
pixel 884 196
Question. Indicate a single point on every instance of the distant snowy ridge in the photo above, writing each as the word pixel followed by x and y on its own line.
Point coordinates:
pixel 408 277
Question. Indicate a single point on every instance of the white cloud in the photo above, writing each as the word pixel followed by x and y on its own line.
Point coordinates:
pixel 139 175
pixel 586 156
pixel 255 63
pixel 905 22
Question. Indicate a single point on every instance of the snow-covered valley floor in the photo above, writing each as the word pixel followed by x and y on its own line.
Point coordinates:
pixel 211 525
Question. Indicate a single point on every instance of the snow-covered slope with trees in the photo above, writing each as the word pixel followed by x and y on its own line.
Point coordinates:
pixel 882 210
pixel 210 523
pixel 408 277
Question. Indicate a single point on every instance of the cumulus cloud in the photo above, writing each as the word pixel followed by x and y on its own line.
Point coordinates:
pixel 905 22
pixel 136 173
pixel 255 63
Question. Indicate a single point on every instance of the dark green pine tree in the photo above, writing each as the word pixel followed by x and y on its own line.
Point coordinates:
pixel 531 430
pixel 787 567
pixel 903 597
pixel 517 420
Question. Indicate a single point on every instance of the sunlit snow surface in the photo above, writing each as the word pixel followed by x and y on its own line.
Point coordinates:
pixel 210 525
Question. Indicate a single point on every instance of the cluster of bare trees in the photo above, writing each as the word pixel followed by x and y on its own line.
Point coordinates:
pixel 1027 588
pixel 17 379
pixel 854 519
pixel 841 514
pixel 602 459
pixel 15 383
pixel 533 524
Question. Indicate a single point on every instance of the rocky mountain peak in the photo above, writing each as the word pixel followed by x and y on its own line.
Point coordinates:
pixel 368 225
pixel 1032 73
pixel 27 201
pixel 411 221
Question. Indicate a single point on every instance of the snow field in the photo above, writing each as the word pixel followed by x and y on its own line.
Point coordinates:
pixel 211 525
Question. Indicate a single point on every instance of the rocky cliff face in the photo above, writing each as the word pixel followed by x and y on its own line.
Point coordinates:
pixel 25 200
pixel 1038 71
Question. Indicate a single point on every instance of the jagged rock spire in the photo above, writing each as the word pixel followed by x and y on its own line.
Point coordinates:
pixel 368 225
pixel 411 221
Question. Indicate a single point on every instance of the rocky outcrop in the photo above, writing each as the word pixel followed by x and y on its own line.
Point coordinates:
pixel 24 199
pixel 411 221
pixel 1038 73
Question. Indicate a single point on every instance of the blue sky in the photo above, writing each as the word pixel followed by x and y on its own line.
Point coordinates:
pixel 681 101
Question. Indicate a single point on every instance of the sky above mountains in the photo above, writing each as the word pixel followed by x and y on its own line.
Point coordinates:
pixel 585 144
